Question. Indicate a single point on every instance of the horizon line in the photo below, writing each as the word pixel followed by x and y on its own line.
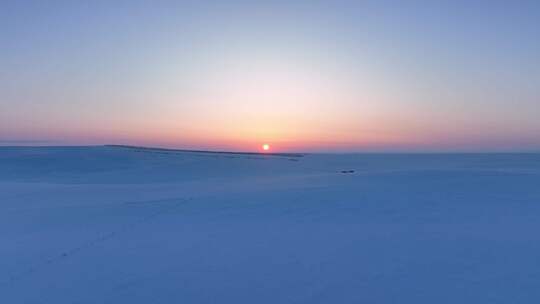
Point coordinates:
pixel 283 154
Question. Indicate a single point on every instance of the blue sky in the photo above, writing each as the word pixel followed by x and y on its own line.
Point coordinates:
pixel 301 75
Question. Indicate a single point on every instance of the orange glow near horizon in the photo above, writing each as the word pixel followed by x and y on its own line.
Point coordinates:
pixel 266 147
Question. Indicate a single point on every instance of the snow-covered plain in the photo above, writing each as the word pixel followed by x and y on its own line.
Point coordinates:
pixel 119 225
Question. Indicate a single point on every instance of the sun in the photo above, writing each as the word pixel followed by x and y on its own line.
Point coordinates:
pixel 266 147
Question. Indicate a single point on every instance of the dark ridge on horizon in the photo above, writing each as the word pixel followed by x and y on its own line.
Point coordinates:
pixel 206 151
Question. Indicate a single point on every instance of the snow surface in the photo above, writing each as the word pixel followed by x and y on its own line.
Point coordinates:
pixel 121 225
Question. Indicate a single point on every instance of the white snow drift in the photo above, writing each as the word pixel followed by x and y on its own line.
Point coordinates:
pixel 125 225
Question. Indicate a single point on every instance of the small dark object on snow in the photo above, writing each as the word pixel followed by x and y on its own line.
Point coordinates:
pixel 347 171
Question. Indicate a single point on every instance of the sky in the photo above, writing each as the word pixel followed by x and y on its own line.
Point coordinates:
pixel 344 76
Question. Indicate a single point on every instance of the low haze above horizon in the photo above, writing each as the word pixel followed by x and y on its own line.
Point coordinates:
pixel 326 76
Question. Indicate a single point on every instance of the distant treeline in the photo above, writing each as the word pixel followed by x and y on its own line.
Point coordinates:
pixel 206 151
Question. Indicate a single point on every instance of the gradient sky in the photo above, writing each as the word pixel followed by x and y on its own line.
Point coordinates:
pixel 300 75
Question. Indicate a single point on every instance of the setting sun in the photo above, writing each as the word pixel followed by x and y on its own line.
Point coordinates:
pixel 266 147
